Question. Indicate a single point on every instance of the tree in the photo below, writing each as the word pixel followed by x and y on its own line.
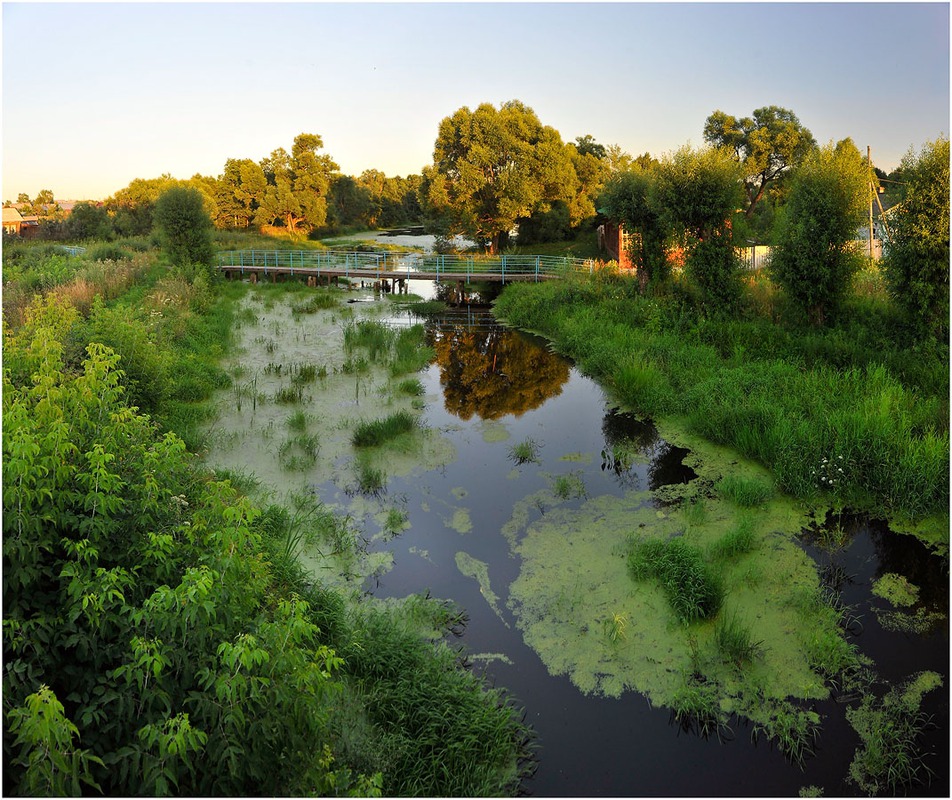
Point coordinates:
pixel 697 192
pixel 88 221
pixel 185 226
pixel 491 168
pixel 629 198
pixel 586 145
pixel 768 145
pixel 298 185
pixel 814 259
pixel 916 262
pixel 240 189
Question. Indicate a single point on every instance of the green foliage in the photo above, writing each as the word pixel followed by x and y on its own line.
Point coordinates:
pixel 492 167
pixel 88 221
pixel 693 589
pixel 734 643
pixel 781 396
pixel 525 452
pixel 814 258
pixel 185 226
pixel 767 144
pixel 737 541
pixel 916 260
pixel 746 492
pixel 379 431
pixel 890 759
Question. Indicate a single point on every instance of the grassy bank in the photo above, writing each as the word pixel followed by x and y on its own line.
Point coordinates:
pixel 853 414
pixel 158 622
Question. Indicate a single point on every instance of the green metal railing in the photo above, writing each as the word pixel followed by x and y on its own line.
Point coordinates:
pixel 409 265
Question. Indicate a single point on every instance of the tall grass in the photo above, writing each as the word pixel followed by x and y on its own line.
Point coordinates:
pixel 379 431
pixel 693 589
pixel 785 396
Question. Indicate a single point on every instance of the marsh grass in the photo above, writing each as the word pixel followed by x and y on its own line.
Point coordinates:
pixel 321 299
pixel 568 487
pixel 734 642
pixel 370 480
pixel 525 452
pixel 297 421
pixel 693 589
pixel 411 386
pixel 376 432
pixel 289 395
pixel 299 452
pixel 737 541
pixel 793 730
pixel 746 492
pixel 307 373
pixel 696 707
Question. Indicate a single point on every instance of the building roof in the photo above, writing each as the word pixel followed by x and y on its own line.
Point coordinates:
pixel 11 215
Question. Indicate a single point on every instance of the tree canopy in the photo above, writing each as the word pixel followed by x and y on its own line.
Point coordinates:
pixel 768 144
pixel 492 167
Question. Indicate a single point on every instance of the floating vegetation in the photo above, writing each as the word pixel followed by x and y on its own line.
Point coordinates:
pixel 525 452
pixel 615 627
pixel 896 589
pixel 695 706
pixel 891 729
pixel 568 487
pixel 473 568
pixel 289 395
pixel 794 730
pixel 371 480
pixel 734 642
pixel 737 541
pixel 299 453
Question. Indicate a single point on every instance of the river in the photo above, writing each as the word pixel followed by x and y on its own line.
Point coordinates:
pixel 522 458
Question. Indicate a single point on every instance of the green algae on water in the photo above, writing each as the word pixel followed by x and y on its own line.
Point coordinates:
pixel 479 570
pixel 896 589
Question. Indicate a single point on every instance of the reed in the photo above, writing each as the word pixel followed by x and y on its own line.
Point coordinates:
pixel 525 452
pixel 734 642
pixel 746 492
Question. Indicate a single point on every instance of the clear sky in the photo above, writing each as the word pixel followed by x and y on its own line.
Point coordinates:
pixel 97 94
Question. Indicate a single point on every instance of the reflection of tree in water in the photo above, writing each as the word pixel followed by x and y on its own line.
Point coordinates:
pixel 628 438
pixel 490 371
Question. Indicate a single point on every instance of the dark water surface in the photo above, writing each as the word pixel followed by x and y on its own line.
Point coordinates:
pixel 497 389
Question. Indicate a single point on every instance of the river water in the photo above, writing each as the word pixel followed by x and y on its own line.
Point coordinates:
pixel 466 501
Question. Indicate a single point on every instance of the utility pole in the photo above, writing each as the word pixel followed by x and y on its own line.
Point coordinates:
pixel 872 190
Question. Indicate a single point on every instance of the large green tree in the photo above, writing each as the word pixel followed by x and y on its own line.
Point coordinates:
pixel 241 187
pixel 815 258
pixel 629 198
pixel 768 144
pixel 916 262
pixel 492 167
pixel 298 185
pixel 185 226
pixel 697 192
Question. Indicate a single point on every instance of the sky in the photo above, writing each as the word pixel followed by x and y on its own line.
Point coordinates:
pixel 98 94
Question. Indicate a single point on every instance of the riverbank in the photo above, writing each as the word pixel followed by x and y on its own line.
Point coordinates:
pixel 844 416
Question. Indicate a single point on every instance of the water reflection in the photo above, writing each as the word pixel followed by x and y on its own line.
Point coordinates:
pixel 489 372
pixel 627 437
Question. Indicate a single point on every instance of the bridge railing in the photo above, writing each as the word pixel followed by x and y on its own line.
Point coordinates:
pixel 440 265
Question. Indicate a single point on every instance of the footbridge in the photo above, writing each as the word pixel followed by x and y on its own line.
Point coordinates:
pixel 320 266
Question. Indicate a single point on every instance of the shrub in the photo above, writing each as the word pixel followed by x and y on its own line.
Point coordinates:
pixel 184 226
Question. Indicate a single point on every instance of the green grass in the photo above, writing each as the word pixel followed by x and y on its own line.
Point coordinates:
pixel 525 452
pixel 780 394
pixel 692 587
pixel 376 432
pixel 737 541
pixel 734 643
pixel 567 487
pixel 746 492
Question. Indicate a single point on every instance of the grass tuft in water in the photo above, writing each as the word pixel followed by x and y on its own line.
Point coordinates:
pixel 525 452
pixel 567 487
pixel 734 643
pixel 735 542
pixel 693 589
pixel 380 431
pixel 746 492
pixel 411 386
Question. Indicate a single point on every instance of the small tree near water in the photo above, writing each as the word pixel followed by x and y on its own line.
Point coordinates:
pixel 184 226
pixel 815 259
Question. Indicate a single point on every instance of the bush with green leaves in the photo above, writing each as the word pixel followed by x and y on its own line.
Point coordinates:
pixel 916 260
pixel 184 226
pixel 815 259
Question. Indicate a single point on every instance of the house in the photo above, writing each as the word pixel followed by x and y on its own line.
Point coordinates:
pixel 613 239
pixel 12 221
pixel 15 224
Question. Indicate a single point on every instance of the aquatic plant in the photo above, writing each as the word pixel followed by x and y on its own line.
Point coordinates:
pixel 615 627
pixel 525 452
pixel 746 492
pixel 411 386
pixel 307 373
pixel 890 757
pixel 569 486
pixel 299 453
pixel 379 431
pixel 410 351
pixel 320 299
pixel 737 541
pixel 734 643
pixel 370 479
pixel 695 706
pixel 694 591
pixel 288 395
pixel 395 521
pixel 794 730
pixel 297 421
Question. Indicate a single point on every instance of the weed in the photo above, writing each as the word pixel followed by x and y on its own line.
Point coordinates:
pixel 733 641
pixel 696 707
pixel 377 432
pixel 615 627
pixel 396 521
pixel 307 373
pixel 411 386
pixel 289 395
pixel 299 452
pixel 525 452
pixel 693 589
pixel 569 486
pixel 297 421
pixel 746 492
pixel 737 541
pixel 370 480
pixel 792 729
